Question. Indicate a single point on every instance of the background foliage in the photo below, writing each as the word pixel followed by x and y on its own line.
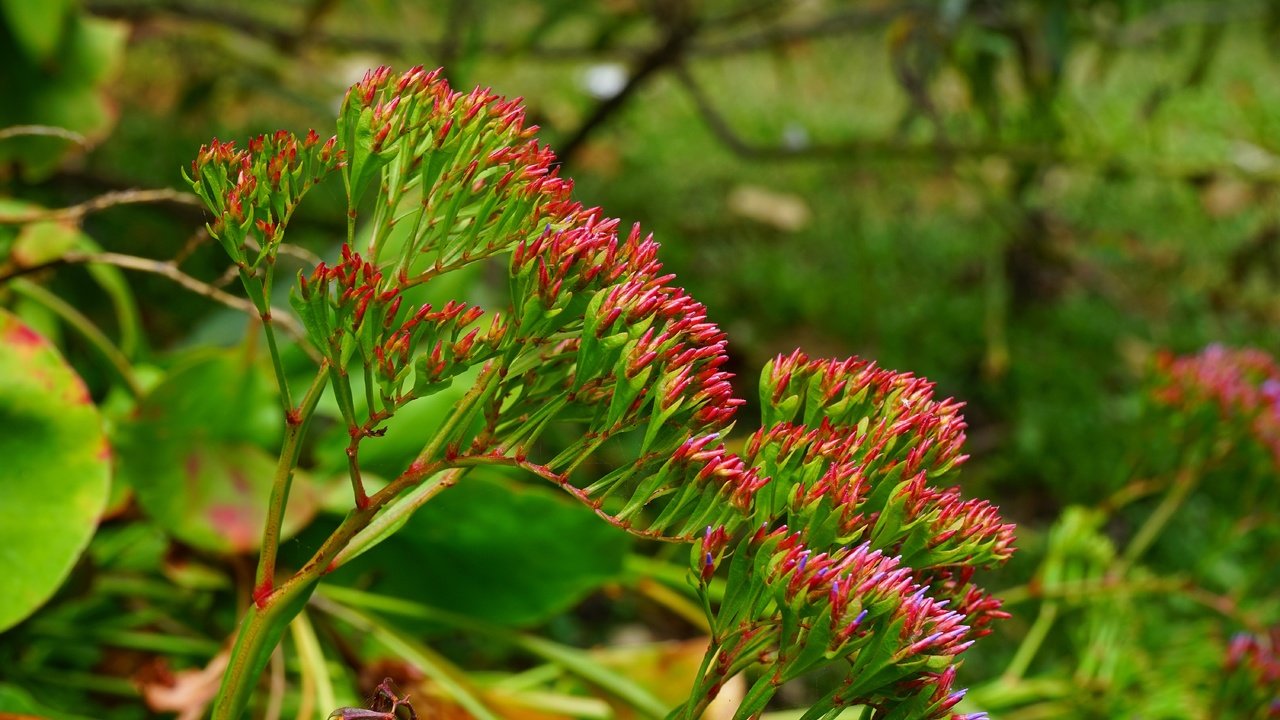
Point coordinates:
pixel 1024 201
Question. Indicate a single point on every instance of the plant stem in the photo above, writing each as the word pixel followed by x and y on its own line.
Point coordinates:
pixel 259 290
pixel 259 634
pixel 700 695
pixel 1031 643
pixel 286 398
pixel 1183 484
pixel 275 607
pixel 461 412
pixel 316 687
pixel 395 513
pixel 295 427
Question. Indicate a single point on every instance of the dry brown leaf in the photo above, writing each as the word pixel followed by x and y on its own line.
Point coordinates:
pixel 783 211
pixel 186 692
pixel 1226 196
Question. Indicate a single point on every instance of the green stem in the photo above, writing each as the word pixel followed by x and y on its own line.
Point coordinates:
pixel 82 325
pixel 295 429
pixel 1155 523
pixel 1031 643
pixel 315 676
pixel 396 513
pixel 272 610
pixel 112 282
pixel 260 632
pixel 286 398
pixel 696 704
pixel 257 291
pixel 462 412
pixel 341 382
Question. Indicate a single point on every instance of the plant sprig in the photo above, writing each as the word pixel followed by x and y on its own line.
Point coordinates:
pixel 840 549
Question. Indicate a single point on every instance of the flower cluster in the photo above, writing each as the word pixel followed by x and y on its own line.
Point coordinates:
pixel 841 548
pixel 870 563
pixel 1251 683
pixel 257 188
pixel 856 606
pixel 351 307
pixel 462 167
pixel 644 358
pixel 1244 385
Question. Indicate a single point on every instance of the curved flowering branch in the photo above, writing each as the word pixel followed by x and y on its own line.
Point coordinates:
pixel 841 549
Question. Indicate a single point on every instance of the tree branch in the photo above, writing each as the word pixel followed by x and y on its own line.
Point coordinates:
pixel 170 270
pixel 102 202
pixel 43 131
pixel 681 26
pixel 898 150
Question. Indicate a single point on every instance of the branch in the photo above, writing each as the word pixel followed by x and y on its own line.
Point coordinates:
pixel 44 131
pixel 1151 26
pixel 285 37
pixel 834 24
pixel 102 202
pixel 171 271
pixel 680 30
pixel 897 150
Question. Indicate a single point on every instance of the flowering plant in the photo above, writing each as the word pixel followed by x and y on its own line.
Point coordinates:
pixel 1241 384
pixel 1251 672
pixel 841 551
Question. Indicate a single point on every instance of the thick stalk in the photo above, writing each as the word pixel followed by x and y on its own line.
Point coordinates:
pixel 269 616
pixel 272 610
pixel 260 632
pixel 295 427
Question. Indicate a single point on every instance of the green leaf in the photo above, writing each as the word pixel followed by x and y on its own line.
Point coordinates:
pixel 67 94
pixel 16 700
pixel 493 549
pixel 753 703
pixel 194 454
pixel 36 26
pixel 55 474
pixel 41 242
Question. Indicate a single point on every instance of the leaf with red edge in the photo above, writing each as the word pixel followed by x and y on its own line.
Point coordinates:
pixel 194 454
pixel 55 471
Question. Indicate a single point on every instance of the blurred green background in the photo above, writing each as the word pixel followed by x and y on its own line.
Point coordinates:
pixel 1023 201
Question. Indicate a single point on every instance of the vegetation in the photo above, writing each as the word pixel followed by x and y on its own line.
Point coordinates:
pixel 444 439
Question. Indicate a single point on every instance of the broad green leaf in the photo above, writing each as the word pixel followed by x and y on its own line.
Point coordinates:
pixel 36 26
pixel 66 94
pixel 213 497
pixel 55 472
pixel 194 454
pixel 497 550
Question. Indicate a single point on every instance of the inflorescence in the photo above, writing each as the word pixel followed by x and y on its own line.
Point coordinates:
pixel 841 546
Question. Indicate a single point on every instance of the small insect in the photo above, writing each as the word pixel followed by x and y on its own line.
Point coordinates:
pixel 384 705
